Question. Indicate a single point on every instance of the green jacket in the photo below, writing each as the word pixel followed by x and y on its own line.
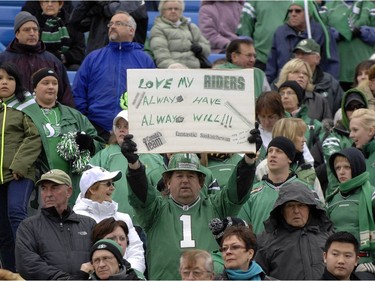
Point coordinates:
pixel 111 159
pixel 20 143
pixel 369 152
pixel 260 80
pixel 338 139
pixel 344 17
pixel 262 198
pixel 71 121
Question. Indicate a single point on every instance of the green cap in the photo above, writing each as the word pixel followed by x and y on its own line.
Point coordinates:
pixel 184 162
pixel 56 176
pixel 308 46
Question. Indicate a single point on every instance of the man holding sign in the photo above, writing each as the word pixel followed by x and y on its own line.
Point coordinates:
pixel 180 221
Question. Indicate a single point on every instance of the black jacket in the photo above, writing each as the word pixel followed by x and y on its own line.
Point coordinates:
pixel 52 247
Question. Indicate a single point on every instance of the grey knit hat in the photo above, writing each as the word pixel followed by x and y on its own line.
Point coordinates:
pixel 23 17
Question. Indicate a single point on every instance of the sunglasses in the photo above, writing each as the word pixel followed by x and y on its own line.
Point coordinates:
pixel 352 107
pixel 297 11
pixel 107 183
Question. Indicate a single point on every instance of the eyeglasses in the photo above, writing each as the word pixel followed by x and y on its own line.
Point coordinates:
pixel 28 29
pixel 196 273
pixel 118 24
pixel 248 55
pixel 105 259
pixel 352 107
pixel 225 249
pixel 297 11
pixel 107 183
pixel 172 9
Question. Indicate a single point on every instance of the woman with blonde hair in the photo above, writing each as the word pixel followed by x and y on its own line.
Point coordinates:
pixel 299 71
pixel 362 132
pixel 295 129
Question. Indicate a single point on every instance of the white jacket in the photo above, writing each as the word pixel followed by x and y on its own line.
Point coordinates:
pixel 99 211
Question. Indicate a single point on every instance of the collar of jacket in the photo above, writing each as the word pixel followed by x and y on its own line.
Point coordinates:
pixel 125 46
pixel 17 47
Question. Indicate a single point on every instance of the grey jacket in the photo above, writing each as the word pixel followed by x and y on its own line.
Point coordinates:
pixel 285 252
pixel 49 247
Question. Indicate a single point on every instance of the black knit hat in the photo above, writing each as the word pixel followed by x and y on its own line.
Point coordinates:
pixel 285 145
pixel 218 226
pixel 295 87
pixel 41 73
pixel 109 245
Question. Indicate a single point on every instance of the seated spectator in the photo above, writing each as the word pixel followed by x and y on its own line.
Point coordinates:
pixel 95 201
pixel 20 148
pixel 292 96
pixel 287 36
pixel 280 155
pixel 108 264
pixel 57 33
pixel 295 130
pixel 217 227
pixel 29 53
pixel 218 21
pixel 325 84
pixel 297 224
pixel 54 244
pixel 367 86
pixel 341 257
pixel 338 138
pixel 238 247
pixel 174 39
pixel 196 265
pixel 98 85
pixel 240 53
pixel 111 159
pixel 350 207
pixel 361 72
pixel 93 17
pixel 298 70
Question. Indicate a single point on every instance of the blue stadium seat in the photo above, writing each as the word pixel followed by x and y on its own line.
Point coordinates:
pixel 151 18
pixel 192 5
pixel 6 34
pixel 8 14
pixel 71 75
pixel 19 3
pixel 2 47
pixel 213 57
pixel 194 17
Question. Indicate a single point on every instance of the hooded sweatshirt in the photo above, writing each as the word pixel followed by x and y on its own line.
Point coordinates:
pixel 286 252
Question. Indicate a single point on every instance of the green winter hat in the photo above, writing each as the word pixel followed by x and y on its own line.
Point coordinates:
pixel 184 162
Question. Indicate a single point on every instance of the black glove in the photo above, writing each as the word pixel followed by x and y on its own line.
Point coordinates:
pixel 255 138
pixel 128 149
pixel 85 142
pixel 356 33
pixel 196 49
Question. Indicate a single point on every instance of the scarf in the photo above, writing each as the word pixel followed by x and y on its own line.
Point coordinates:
pixel 55 35
pixel 366 220
pixel 253 273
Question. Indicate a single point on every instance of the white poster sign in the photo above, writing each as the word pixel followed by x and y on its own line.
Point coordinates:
pixel 191 110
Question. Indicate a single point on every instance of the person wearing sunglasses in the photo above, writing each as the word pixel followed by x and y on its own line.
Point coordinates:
pixel 291 246
pixel 295 29
pixel 338 138
pixel 95 201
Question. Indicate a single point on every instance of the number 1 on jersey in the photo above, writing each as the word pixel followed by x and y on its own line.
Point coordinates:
pixel 187 241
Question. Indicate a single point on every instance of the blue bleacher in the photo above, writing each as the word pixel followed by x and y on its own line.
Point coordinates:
pixel 71 75
pixel 6 34
pixel 192 5
pixel 8 13
pixel 213 57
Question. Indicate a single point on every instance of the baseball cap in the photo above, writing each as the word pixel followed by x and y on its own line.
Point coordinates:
pixel 308 46
pixel 96 174
pixel 56 176
pixel 353 96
